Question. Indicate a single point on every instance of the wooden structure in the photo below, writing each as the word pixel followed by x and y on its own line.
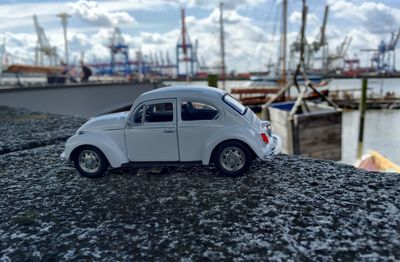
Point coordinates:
pixel 55 75
pixel 253 96
pixel 371 103
pixel 19 68
pixel 306 128
pixel 316 132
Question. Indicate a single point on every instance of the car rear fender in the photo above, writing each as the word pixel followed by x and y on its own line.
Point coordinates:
pixel 245 135
pixel 115 155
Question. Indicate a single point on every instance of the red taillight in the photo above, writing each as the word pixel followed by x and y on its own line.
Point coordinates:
pixel 265 138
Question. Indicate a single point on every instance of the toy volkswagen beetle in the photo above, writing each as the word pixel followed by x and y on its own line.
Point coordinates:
pixel 174 125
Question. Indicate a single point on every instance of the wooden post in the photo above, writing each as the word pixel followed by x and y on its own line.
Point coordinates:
pixel 283 39
pixel 362 117
pixel 212 80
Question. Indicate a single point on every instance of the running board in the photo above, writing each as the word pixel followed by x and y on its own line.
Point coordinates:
pixel 163 163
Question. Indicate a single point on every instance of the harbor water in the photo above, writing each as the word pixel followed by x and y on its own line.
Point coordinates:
pixel 382 127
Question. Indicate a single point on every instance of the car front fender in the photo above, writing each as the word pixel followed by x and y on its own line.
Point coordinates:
pixel 244 135
pixel 115 155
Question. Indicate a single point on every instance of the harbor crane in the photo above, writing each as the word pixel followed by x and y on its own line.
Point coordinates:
pixel 320 42
pixel 3 55
pixel 43 47
pixel 335 61
pixel 151 59
pixel 118 47
pixel 170 66
pixel 158 67
pixel 295 48
pixel 64 22
pixel 310 49
pixel 196 59
pixel 168 59
pixel 162 62
pixel 384 57
pixel 184 51
pixel 156 58
pixel 163 65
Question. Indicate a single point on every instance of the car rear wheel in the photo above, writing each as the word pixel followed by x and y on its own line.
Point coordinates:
pixel 91 162
pixel 233 158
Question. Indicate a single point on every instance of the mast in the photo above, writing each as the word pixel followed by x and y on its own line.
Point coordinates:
pixel 283 39
pixel 222 41
pixel 64 17
pixel 3 56
pixel 184 45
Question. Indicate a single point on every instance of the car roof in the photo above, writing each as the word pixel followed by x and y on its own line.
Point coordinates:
pixel 182 91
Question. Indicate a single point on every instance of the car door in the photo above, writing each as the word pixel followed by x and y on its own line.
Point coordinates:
pixel 198 121
pixel 151 133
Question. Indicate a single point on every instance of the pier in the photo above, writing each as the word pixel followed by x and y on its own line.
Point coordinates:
pixel 289 208
pixel 81 99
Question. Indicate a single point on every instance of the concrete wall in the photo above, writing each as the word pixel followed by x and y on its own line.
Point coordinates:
pixel 84 100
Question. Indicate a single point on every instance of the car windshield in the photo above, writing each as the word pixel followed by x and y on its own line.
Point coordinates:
pixel 241 109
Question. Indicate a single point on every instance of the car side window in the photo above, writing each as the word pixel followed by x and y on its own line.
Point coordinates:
pixel 138 115
pixel 161 112
pixel 193 111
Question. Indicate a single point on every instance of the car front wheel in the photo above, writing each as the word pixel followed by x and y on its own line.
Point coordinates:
pixel 233 158
pixel 91 162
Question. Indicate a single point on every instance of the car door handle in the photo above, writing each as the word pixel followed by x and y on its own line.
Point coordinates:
pixel 169 131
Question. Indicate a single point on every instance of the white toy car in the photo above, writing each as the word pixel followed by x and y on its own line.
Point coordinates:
pixel 174 125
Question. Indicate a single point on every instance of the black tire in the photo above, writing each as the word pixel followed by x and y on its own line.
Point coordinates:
pixel 233 158
pixel 96 163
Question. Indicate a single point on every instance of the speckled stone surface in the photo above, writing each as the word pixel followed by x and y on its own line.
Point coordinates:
pixel 21 129
pixel 287 208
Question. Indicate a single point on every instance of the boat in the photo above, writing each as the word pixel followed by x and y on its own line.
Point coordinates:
pixel 373 161
pixel 260 80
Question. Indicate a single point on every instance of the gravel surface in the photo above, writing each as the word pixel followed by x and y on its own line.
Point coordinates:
pixel 22 129
pixel 287 208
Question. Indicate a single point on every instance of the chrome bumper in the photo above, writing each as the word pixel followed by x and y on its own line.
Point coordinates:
pixel 275 146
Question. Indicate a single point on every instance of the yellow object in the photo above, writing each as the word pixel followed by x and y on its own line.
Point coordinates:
pixel 373 161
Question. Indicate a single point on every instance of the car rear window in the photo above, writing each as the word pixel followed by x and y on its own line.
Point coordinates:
pixel 193 111
pixel 232 102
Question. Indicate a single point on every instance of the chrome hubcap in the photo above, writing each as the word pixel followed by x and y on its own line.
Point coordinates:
pixel 232 158
pixel 89 161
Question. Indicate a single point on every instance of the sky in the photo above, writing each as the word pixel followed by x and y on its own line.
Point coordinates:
pixel 153 26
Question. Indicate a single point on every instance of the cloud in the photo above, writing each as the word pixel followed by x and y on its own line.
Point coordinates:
pixel 152 38
pixel 380 18
pixel 94 13
pixel 15 10
pixel 211 4
pixel 295 17
pixel 103 36
pixel 377 18
pixel 20 47
pixel 245 43
pixel 312 19
pixel 368 23
pixel 248 45
pixel 78 40
pixel 142 5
